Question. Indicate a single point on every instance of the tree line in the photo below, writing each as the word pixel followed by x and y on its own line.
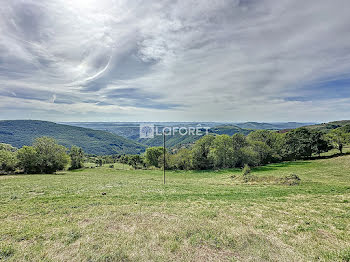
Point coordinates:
pixel 260 147
pixel 44 156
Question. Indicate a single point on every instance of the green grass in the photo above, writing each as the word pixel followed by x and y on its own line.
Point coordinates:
pixel 110 214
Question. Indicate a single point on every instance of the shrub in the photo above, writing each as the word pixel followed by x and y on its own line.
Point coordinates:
pixel 45 156
pixel 152 156
pixel 200 153
pixel 246 173
pixel 249 157
pixel 8 161
pixel 181 160
pixel 291 180
pixel 77 157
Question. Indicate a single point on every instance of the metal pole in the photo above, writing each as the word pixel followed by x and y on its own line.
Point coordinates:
pixel 164 156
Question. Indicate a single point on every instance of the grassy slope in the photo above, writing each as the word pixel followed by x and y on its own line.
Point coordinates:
pixel 23 132
pixel 197 216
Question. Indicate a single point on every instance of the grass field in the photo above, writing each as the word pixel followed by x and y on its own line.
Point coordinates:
pixel 105 214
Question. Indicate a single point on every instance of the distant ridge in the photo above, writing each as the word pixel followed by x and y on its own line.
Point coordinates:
pixel 330 125
pixel 23 132
pixel 272 126
pixel 130 130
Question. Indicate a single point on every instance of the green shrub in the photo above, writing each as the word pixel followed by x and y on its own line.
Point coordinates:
pixel 45 156
pixel 8 161
pixel 77 157
pixel 246 172
pixel 152 156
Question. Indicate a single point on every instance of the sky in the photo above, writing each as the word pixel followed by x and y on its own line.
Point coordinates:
pixel 175 60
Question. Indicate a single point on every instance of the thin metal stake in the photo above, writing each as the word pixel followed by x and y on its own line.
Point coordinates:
pixel 164 156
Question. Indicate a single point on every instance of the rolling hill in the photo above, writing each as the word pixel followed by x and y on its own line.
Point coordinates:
pixel 23 132
pixel 271 126
pixel 130 130
pixel 325 127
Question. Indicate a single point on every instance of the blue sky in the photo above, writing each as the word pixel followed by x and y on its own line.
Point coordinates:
pixel 185 60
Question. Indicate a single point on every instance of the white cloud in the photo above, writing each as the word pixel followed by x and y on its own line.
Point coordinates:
pixel 222 60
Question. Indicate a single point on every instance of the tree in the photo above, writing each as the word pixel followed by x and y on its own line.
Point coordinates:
pixel 266 136
pixel 7 147
pixel 152 156
pixel 222 152
pixel 51 156
pixel 248 157
pixel 319 142
pixel 28 159
pixel 136 161
pixel 8 160
pixel 45 156
pixel 99 161
pixel 77 157
pixel 298 143
pixel 274 142
pixel 264 152
pixel 200 153
pixel 239 142
pixel 338 137
pixel 181 160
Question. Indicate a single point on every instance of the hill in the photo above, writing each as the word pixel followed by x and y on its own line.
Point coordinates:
pixel 326 127
pixel 23 132
pixel 130 130
pixel 271 126
pixel 178 140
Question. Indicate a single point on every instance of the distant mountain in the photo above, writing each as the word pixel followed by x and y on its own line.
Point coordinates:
pixel 272 126
pixel 178 140
pixel 131 130
pixel 23 132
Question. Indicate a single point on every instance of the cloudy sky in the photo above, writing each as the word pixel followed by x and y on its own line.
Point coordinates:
pixel 175 60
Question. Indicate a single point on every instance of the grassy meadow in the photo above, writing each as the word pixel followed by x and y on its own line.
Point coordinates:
pixel 119 214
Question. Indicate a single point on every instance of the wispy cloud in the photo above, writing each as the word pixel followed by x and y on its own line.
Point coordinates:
pixel 232 60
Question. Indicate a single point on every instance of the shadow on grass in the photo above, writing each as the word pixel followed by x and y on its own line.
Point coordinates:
pixel 330 156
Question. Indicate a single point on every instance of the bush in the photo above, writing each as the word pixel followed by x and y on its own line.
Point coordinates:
pixel 8 161
pixel 249 157
pixel 200 153
pixel 181 160
pixel 28 159
pixel 152 156
pixel 77 157
pixel 246 173
pixel 7 147
pixel 45 156
pixel 291 180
